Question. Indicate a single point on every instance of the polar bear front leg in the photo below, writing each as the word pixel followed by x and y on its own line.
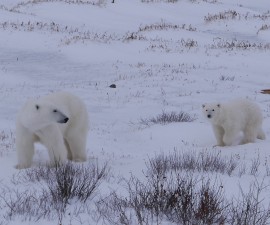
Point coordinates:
pixel 229 136
pixel 24 147
pixel 76 139
pixel 53 140
pixel 219 133
pixel 77 147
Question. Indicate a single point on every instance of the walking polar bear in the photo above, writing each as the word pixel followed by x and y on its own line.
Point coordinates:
pixel 59 121
pixel 229 119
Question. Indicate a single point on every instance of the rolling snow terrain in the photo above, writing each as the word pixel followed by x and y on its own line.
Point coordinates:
pixel 163 56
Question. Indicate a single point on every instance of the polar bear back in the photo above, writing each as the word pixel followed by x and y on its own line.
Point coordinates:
pixel 241 112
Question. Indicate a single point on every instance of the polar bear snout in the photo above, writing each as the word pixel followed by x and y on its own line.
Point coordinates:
pixel 209 116
pixel 65 120
pixel 61 117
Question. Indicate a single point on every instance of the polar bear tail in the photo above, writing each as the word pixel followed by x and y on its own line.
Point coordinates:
pixel 261 134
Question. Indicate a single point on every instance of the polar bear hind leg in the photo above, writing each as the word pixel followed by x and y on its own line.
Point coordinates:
pixel 250 135
pixel 261 134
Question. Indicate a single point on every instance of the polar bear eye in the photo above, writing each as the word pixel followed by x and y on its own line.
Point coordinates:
pixel 213 110
pixel 37 107
pixel 55 110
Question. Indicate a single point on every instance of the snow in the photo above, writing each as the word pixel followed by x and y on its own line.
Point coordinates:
pixel 90 51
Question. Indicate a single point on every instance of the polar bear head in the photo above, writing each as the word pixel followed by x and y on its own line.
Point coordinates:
pixel 35 115
pixel 211 111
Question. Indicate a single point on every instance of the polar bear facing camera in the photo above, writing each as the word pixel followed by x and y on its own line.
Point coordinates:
pixel 59 121
pixel 229 119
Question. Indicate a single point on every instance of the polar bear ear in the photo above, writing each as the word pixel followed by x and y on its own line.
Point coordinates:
pixel 203 105
pixel 37 107
pixel 218 105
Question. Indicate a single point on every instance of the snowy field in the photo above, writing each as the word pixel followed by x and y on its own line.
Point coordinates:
pixel 163 56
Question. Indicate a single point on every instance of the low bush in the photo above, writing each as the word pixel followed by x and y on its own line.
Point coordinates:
pixel 248 208
pixel 192 161
pixel 226 15
pixel 239 45
pixel 168 117
pixel 58 186
pixel 179 199
pixel 167 194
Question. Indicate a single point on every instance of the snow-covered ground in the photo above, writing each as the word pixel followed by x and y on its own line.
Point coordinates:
pixel 161 56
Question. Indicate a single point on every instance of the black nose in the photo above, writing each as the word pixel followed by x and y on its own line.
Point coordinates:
pixel 66 119
pixel 209 116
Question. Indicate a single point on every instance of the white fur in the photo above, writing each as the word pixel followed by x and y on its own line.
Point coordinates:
pixel 229 119
pixel 44 121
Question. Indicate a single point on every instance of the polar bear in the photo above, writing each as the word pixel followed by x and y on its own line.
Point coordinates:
pixel 229 119
pixel 59 121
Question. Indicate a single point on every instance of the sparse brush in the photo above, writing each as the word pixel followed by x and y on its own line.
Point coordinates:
pixel 208 1
pixel 7 142
pixel 78 2
pixel 192 161
pixel 161 26
pixel 58 186
pixel 69 180
pixel 227 78
pixel 152 1
pixel 263 28
pixel 28 204
pixel 170 46
pixel 263 16
pixel 195 201
pixel 165 26
pixel 131 36
pixel 167 194
pixel 72 34
pixel 179 199
pixel 168 117
pixel 189 43
pixel 249 207
pixel 230 14
pixel 114 210
pixel 211 204
pixel 183 199
pixel 240 45
pixel 255 164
